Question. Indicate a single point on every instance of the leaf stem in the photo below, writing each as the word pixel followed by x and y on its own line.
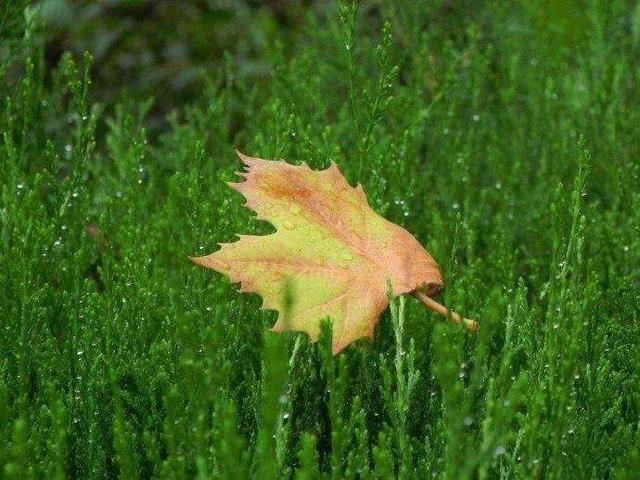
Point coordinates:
pixel 431 304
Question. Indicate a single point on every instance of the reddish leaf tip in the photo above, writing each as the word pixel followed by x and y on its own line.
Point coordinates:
pixel 196 260
pixel 246 159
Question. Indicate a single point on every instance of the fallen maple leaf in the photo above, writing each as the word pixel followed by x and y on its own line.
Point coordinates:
pixel 331 256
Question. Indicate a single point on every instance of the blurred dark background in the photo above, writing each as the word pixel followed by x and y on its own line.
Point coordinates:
pixel 169 50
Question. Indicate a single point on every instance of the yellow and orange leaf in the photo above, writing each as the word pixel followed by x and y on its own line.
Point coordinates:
pixel 331 254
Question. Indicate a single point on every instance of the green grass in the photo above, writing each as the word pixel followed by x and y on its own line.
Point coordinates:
pixel 506 137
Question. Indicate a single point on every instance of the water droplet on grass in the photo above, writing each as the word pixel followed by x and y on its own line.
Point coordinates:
pixel 500 450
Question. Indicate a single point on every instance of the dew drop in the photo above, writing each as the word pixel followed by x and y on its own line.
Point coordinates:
pixel 275 276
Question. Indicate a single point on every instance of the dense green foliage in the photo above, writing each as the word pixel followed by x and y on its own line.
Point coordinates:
pixel 505 137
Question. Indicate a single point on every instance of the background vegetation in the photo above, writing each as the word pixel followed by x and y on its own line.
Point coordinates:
pixel 503 134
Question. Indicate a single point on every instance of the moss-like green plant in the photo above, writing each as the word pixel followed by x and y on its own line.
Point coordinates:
pixel 503 137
